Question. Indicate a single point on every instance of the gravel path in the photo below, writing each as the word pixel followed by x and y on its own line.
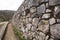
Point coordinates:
pixel 10 34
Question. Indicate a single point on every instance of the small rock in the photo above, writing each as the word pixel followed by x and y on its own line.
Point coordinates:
pixel 58 20
pixel 41 36
pixel 28 15
pixel 27 20
pixel 51 39
pixel 24 13
pixel 35 21
pixel 52 21
pixel 47 37
pixel 44 1
pixel 26 30
pixel 34 39
pixel 57 10
pixel 33 9
pixel 22 28
pixel 29 26
pixel 30 20
pixel 47 5
pixel 33 28
pixel 46 16
pixel 48 10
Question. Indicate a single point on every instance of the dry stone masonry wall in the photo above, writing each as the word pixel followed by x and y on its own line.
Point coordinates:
pixel 39 19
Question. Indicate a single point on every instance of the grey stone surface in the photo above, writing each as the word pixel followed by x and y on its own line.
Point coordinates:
pixel 38 19
pixel 57 10
pixel 42 36
pixel 44 1
pixel 46 16
pixel 54 2
pixel 58 20
pixel 33 9
pixel 41 8
pixel 47 5
pixel 51 39
pixel 35 21
pixel 33 3
pixel 48 10
pixel 47 37
pixel 52 21
pixel 55 30
pixel 43 26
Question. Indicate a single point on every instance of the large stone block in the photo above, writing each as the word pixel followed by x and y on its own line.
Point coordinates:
pixel 55 30
pixel 41 8
pixel 43 26
pixel 54 2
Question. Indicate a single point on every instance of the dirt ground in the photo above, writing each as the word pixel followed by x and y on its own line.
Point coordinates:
pixel 10 34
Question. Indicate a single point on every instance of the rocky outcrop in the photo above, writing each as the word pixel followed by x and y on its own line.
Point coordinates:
pixel 38 19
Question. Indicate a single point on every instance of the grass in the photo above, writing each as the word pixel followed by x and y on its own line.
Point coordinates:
pixel 18 33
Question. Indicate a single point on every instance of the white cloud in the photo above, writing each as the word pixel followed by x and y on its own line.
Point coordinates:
pixel 10 4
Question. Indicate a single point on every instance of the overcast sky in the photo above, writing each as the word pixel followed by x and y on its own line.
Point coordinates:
pixel 10 4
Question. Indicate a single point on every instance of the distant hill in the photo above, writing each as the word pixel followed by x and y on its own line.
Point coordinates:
pixel 6 15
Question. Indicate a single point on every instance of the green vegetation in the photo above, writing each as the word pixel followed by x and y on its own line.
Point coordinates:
pixel 18 33
pixel 6 15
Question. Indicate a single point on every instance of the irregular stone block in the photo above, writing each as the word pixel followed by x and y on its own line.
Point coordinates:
pixel 27 20
pixel 43 26
pixel 33 9
pixel 58 20
pixel 33 15
pixel 28 26
pixel 54 2
pixel 41 8
pixel 22 28
pixel 35 21
pixel 52 21
pixel 57 10
pixel 33 28
pixel 55 30
pixel 33 3
pixel 30 20
pixel 47 5
pixel 51 39
pixel 24 13
pixel 46 16
pixel 47 37
pixel 28 15
pixel 41 36
pixel 25 4
pixel 43 1
pixel 48 10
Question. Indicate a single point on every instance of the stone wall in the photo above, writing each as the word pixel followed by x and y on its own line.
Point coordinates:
pixel 39 19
